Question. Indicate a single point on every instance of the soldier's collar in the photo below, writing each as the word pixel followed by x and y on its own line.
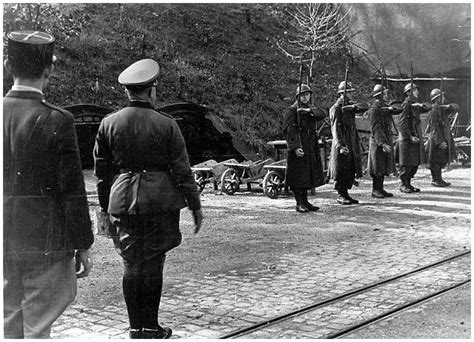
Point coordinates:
pixel 17 87
pixel 140 104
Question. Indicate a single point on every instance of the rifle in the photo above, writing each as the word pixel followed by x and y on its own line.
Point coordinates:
pixel 298 119
pixel 345 83
pixel 382 79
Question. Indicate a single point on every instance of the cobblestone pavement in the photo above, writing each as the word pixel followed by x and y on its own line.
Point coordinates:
pixel 218 304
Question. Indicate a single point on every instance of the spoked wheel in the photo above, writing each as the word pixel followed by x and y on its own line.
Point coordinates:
pixel 272 184
pixel 200 179
pixel 230 181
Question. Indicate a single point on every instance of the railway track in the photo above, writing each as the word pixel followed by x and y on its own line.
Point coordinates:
pixel 437 270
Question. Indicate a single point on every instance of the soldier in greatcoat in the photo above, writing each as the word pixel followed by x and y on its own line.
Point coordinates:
pixel 45 213
pixel 440 148
pixel 380 161
pixel 345 160
pixel 144 180
pixel 410 141
pixel 304 165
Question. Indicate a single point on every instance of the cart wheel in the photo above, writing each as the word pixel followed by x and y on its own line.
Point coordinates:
pixel 200 180
pixel 272 184
pixel 230 181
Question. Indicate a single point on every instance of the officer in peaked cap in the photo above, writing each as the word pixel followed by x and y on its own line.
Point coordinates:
pixel 145 154
pixel 140 74
pixel 46 216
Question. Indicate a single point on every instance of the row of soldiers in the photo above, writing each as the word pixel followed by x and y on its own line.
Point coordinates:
pixel 305 170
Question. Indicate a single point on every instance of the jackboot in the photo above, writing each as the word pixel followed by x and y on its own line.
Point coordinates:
pixel 307 204
pixel 376 188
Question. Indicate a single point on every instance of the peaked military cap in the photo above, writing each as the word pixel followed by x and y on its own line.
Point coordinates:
pixel 31 46
pixel 140 73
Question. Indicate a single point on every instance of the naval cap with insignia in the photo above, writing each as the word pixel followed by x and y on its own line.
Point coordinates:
pixel 28 46
pixel 143 72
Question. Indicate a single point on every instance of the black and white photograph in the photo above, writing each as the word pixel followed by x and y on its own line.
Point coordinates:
pixel 236 170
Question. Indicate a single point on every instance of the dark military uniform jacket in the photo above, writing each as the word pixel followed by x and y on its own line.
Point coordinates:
pixel 380 117
pixel 411 154
pixel 142 164
pixel 438 132
pixel 304 172
pixel 344 133
pixel 45 203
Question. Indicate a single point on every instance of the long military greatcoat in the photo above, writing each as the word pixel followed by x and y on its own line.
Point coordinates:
pixel 410 154
pixel 438 132
pixel 380 162
pixel 45 204
pixel 344 133
pixel 303 172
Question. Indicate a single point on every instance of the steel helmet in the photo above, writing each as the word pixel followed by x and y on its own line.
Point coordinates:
pixel 378 89
pixel 435 93
pixel 303 89
pixel 342 86
pixel 409 86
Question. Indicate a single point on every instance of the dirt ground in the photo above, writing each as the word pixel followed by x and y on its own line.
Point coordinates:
pixel 248 230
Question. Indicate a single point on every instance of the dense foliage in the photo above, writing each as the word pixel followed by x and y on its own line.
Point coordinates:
pixel 223 56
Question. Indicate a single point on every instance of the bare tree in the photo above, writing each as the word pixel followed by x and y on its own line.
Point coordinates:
pixel 316 29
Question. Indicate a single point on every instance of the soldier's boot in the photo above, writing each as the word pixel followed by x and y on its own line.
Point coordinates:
pixel 412 187
pixel 343 197
pixel 347 196
pixel 436 177
pixel 307 204
pixel 404 186
pixel 160 333
pixel 135 334
pixel 300 205
pixel 385 193
pixel 376 188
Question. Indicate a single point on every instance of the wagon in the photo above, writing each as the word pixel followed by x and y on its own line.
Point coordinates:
pixel 275 179
pixel 208 172
pixel 246 172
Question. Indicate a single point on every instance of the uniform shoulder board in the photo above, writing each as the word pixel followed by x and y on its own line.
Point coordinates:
pixel 59 109
pixel 165 114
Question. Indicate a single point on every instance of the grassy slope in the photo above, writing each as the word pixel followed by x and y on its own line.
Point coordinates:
pixel 209 55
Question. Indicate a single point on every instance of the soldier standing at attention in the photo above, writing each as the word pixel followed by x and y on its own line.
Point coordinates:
pixel 440 147
pixel 345 160
pixel 144 180
pixel 380 162
pixel 411 149
pixel 45 212
pixel 304 166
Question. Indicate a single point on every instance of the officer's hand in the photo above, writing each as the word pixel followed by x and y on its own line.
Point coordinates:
pixel 84 262
pixel 299 152
pixel 443 145
pixel 197 215
pixel 344 150
pixel 414 139
pixel 386 148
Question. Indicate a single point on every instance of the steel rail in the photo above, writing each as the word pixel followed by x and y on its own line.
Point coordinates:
pixel 392 312
pixel 284 317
